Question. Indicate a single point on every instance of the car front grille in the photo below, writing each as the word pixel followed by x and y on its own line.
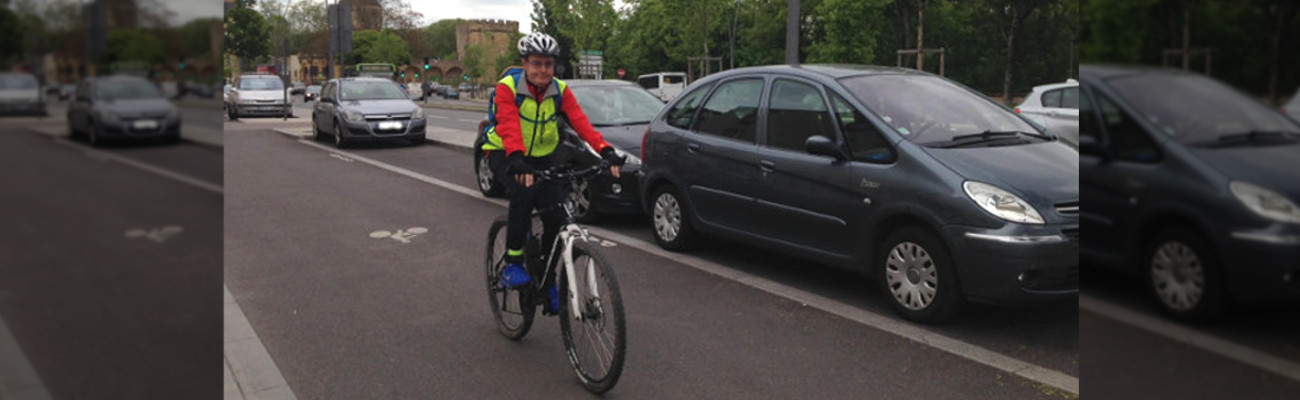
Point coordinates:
pixel 388 117
pixel 1068 209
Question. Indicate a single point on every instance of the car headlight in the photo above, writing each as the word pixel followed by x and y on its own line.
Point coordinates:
pixel 1266 203
pixel 418 113
pixel 1001 203
pixel 353 115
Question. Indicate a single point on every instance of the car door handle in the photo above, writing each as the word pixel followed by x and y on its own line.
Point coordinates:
pixel 693 147
pixel 767 166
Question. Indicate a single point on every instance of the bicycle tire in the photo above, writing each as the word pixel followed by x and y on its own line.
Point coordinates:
pixel 609 318
pixel 501 298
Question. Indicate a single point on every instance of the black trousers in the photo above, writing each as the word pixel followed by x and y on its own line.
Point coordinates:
pixel 524 200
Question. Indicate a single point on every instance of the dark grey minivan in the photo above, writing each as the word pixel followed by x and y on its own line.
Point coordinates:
pixel 1191 185
pixel 937 191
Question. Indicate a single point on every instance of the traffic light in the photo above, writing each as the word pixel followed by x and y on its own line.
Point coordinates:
pixel 426 63
pixel 182 63
pixel 417 74
pixel 403 74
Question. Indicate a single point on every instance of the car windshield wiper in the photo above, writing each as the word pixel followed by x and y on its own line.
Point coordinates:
pixel 1254 137
pixel 985 137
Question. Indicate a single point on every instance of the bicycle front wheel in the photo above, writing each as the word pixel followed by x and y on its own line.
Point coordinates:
pixel 595 335
pixel 512 308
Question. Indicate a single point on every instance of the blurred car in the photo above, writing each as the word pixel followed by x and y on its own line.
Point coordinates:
pixel 258 94
pixel 620 111
pixel 452 93
pixel 1055 107
pixel 311 93
pixel 297 88
pixel 198 89
pixel 66 91
pixel 20 94
pixel 121 107
pixel 413 91
pixel 939 192
pixel 1292 108
pixel 1192 186
pixel 362 108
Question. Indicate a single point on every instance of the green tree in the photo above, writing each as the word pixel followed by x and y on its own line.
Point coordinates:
pixel 11 28
pixel 195 37
pixel 588 22
pixel 134 45
pixel 379 47
pixel 852 28
pixel 441 37
pixel 545 18
pixel 246 33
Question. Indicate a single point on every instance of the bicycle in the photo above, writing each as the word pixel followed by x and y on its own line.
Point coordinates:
pixel 590 304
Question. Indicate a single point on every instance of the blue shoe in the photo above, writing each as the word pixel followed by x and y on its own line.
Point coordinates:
pixel 515 276
pixel 552 307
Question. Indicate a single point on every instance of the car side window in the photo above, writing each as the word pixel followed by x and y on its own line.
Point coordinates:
pixel 1128 141
pixel 1070 98
pixel 865 142
pixel 1052 98
pixel 796 112
pixel 682 112
pixel 732 110
pixel 1088 118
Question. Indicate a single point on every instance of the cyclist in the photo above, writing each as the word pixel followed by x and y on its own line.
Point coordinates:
pixel 523 135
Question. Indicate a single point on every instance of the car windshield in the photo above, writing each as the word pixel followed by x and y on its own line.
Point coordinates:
pixel 372 90
pixel 13 81
pixel 617 105
pixel 127 89
pixel 261 84
pixel 1194 109
pixel 313 89
pixel 930 109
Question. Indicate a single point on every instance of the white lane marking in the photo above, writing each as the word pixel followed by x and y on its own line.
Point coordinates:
pixel 255 373
pixel 99 155
pixel 467 120
pixel 18 379
pixel 341 157
pixel 915 333
pixel 403 236
pixel 438 117
pixel 1182 334
pixel 159 235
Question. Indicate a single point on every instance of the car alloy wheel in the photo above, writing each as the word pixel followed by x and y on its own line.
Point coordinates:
pixel 92 137
pixel 911 275
pixel 919 275
pixel 667 217
pixel 338 135
pixel 487 183
pixel 1177 276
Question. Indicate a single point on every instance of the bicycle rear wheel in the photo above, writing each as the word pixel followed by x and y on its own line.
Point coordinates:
pixel 513 309
pixel 595 336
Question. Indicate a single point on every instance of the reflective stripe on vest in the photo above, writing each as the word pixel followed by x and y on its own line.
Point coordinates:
pixel 538 123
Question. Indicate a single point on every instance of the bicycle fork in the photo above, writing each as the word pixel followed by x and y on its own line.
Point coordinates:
pixel 568 235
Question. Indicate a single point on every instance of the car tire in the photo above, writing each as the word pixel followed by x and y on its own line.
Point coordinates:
pixel 580 195
pixel 317 134
pixel 487 182
pixel 339 141
pixel 671 220
pixel 72 130
pixel 232 113
pixel 917 274
pixel 93 137
pixel 1183 275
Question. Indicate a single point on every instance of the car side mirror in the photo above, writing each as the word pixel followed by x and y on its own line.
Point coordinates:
pixel 1089 145
pixel 823 146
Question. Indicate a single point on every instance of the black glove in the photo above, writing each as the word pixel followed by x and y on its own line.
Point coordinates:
pixel 612 156
pixel 515 165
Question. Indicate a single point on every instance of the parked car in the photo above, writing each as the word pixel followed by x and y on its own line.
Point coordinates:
pixel 940 193
pixel 452 93
pixel 66 91
pixel 413 91
pixel 1055 107
pixel 1190 185
pixel 20 94
pixel 1292 107
pixel 258 94
pixel 620 111
pixel 311 93
pixel 297 88
pixel 122 107
pixel 364 108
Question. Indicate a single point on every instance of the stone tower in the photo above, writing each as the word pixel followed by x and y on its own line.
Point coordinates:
pixel 494 35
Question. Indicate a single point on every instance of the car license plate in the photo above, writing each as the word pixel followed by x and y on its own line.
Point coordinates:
pixel 390 125
pixel 145 124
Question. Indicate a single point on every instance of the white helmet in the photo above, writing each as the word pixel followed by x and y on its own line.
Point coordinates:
pixel 538 43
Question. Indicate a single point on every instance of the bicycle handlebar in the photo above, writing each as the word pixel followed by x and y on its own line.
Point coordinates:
pixel 566 173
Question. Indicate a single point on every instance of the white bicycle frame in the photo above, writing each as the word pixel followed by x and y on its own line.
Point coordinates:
pixel 568 235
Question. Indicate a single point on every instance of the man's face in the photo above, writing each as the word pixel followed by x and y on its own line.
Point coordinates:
pixel 539 69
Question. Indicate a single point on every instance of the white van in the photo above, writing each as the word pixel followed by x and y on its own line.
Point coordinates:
pixel 665 85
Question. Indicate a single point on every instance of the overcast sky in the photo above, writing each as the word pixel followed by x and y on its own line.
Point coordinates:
pixel 515 10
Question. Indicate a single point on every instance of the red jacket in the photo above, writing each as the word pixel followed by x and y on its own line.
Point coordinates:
pixel 508 119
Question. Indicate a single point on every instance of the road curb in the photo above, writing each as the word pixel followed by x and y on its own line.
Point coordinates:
pixel 458 107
